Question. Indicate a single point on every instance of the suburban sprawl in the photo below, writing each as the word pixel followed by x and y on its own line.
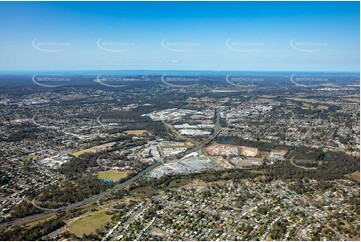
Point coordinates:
pixel 228 157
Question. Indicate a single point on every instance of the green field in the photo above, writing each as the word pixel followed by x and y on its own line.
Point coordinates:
pixel 112 175
pixel 89 224
pixel 179 182
pixel 81 152
pixel 136 132
pixel 143 191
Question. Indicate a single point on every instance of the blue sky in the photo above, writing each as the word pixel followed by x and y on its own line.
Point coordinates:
pixel 252 36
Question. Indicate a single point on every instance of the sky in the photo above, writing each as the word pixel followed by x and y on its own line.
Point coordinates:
pixel 216 36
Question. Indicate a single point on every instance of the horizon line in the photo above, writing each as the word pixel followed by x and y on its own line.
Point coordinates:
pixel 185 70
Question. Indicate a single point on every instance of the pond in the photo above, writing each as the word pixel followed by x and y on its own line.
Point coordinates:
pixel 226 142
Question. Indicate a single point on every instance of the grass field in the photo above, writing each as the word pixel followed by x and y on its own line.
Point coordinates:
pixel 112 175
pixel 318 107
pixel 355 176
pixel 94 149
pixel 179 182
pixel 354 100
pixel 136 132
pixel 89 224
pixel 143 191
pixel 81 152
pixel 307 100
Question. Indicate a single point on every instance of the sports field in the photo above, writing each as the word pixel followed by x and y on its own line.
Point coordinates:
pixel 112 175
pixel 89 224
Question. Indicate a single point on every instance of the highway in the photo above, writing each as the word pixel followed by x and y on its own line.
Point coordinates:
pixel 85 201
pixel 217 129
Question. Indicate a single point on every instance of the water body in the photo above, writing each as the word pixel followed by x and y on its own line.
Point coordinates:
pixel 226 142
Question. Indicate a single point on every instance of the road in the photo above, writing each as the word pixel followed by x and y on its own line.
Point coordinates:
pixel 83 202
pixel 285 191
pixel 217 129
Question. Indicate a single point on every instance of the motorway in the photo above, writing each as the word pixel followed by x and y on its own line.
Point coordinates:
pixel 85 201
pixel 217 129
